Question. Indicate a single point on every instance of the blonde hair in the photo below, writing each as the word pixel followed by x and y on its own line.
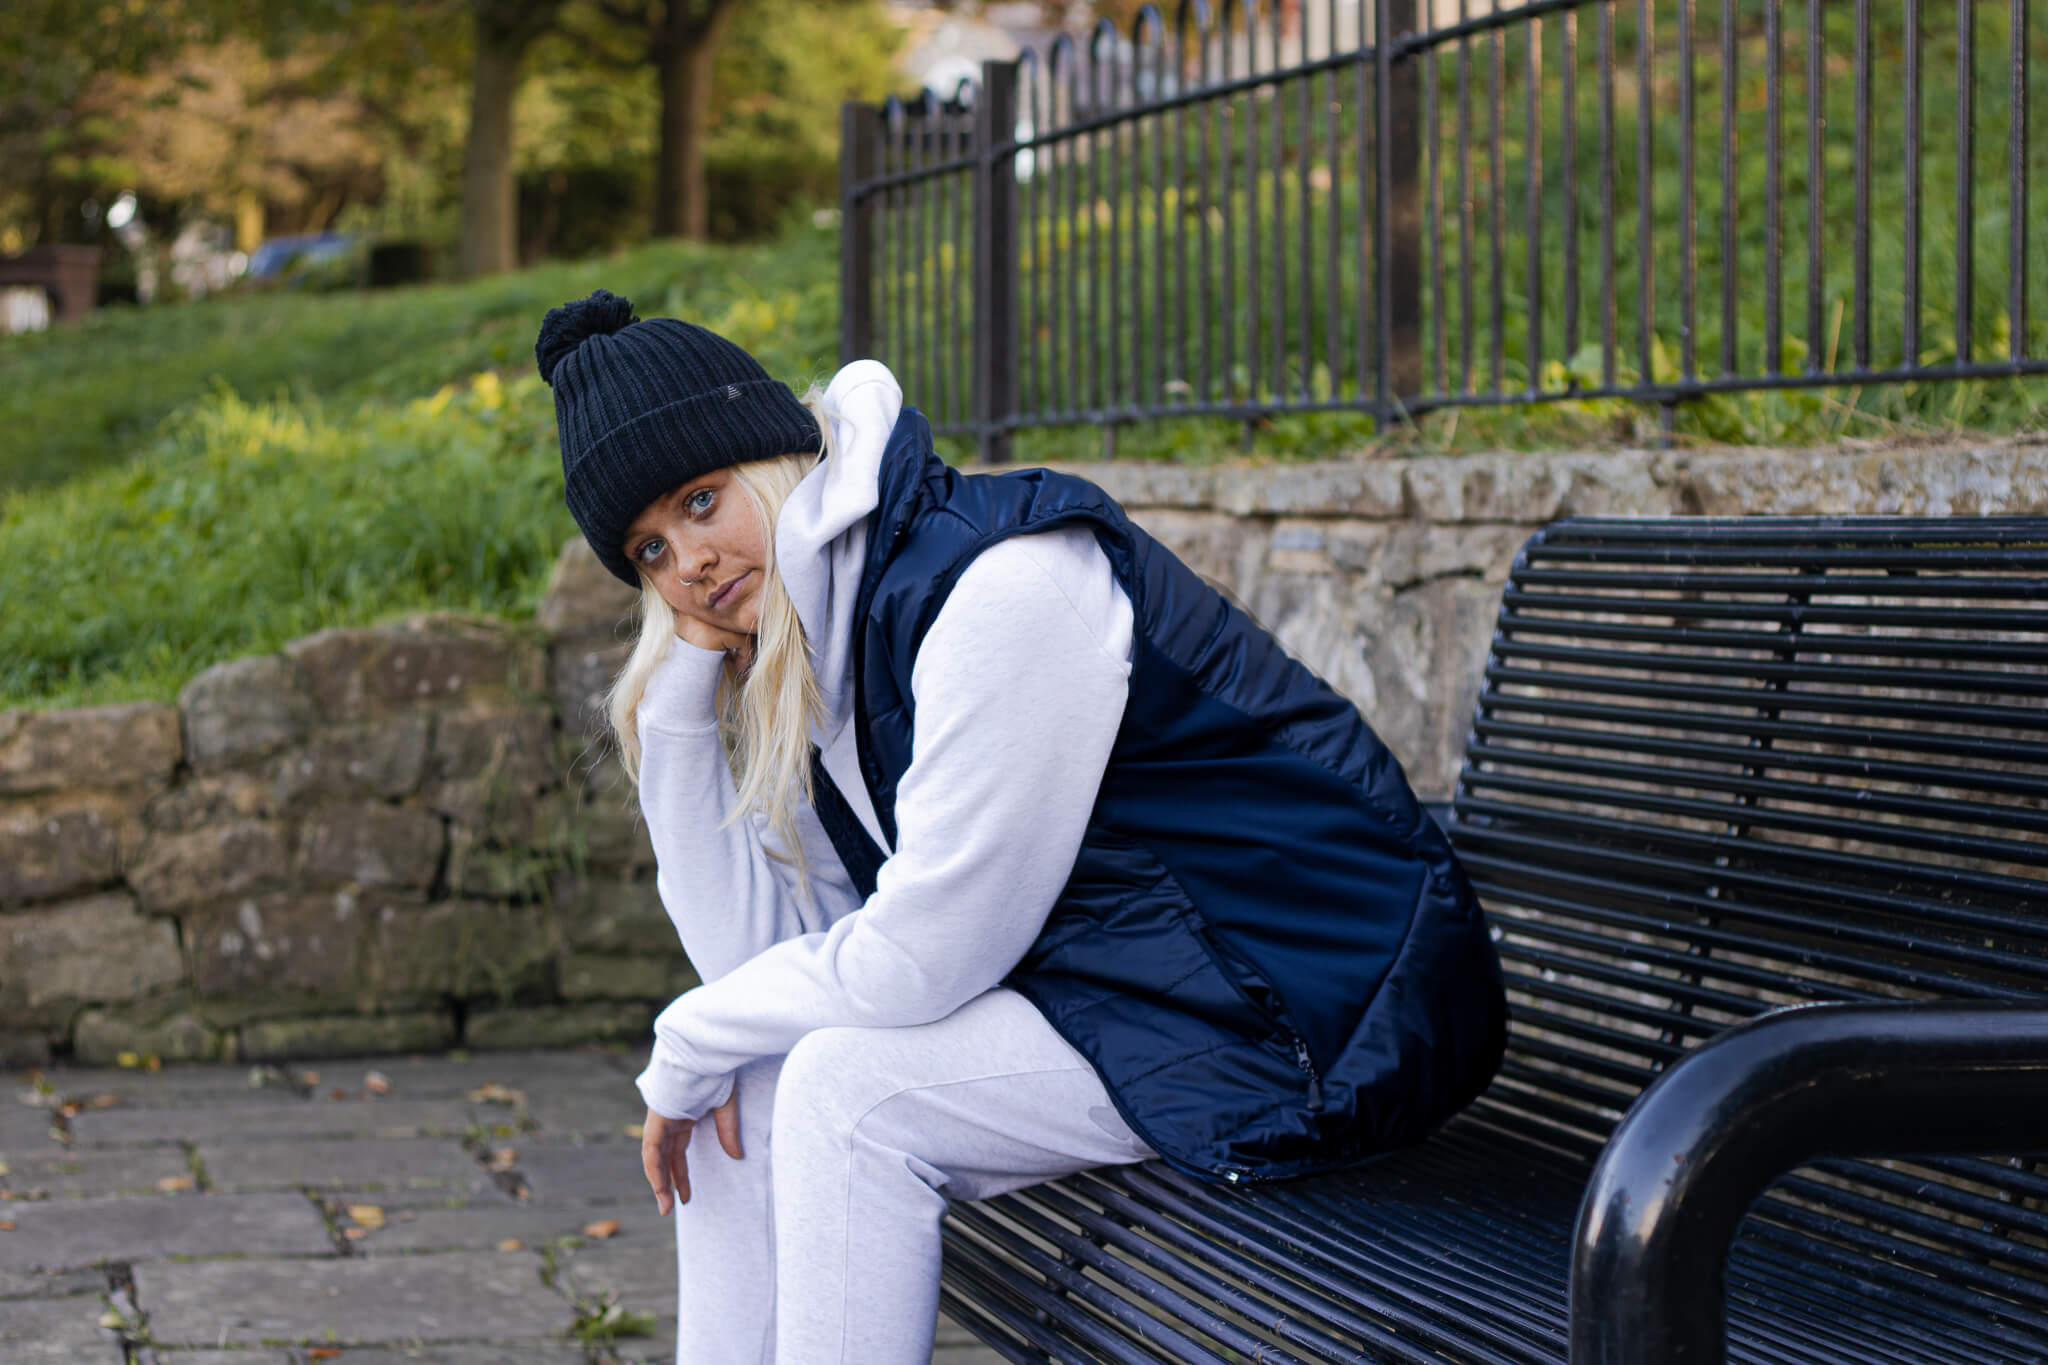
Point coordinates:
pixel 766 712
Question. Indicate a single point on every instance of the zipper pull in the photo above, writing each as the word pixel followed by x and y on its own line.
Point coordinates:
pixel 1315 1082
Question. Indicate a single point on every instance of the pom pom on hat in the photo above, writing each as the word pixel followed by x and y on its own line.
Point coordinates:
pixel 567 327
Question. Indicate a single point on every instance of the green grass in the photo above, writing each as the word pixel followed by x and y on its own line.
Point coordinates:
pixel 82 398
pixel 409 464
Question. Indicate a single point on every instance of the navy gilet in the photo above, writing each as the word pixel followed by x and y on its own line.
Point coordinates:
pixel 1266 948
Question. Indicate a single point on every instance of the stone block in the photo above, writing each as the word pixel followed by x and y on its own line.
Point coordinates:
pixel 581 669
pixel 613 915
pixel 369 844
pixel 382 758
pixel 510 743
pixel 1328 488
pixel 55 1173
pixel 281 1119
pixel 595 976
pixel 486 868
pixel 72 1233
pixel 305 949
pixel 464 949
pixel 1416 552
pixel 1147 483
pixel 23 1049
pixel 211 799
pixel 609 829
pixel 242 709
pixel 346 1035
pixel 168 1029
pixel 483 1226
pixel 61 844
pixel 582 597
pixel 55 1330
pixel 356 672
pixel 1217 547
pixel 94 950
pixel 572 1171
pixel 558 1026
pixel 209 863
pixel 131 744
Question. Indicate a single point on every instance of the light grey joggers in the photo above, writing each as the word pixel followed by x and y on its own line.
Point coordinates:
pixel 821 1245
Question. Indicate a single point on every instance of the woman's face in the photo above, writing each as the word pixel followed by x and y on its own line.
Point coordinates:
pixel 701 545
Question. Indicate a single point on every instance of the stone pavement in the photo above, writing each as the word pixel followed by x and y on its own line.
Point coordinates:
pixel 466 1210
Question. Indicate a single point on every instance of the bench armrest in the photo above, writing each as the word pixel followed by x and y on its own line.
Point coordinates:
pixel 1709 1136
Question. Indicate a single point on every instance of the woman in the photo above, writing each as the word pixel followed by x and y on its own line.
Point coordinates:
pixel 1005 847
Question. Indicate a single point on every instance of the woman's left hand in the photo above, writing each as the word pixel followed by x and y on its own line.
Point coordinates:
pixel 665 1148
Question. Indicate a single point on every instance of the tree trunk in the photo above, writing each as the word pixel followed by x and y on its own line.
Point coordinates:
pixel 684 54
pixel 490 219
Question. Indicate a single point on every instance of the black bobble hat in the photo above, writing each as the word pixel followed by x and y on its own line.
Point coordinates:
pixel 643 406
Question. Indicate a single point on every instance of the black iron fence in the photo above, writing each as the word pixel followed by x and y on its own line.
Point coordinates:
pixel 1372 207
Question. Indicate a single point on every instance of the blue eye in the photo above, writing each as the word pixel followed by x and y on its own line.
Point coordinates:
pixel 699 502
pixel 649 551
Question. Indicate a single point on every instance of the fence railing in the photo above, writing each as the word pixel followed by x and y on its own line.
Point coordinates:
pixel 1360 206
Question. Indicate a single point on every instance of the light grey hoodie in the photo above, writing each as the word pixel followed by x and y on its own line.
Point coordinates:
pixel 1020 687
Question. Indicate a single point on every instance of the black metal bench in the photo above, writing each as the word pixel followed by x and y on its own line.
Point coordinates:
pixel 1718 767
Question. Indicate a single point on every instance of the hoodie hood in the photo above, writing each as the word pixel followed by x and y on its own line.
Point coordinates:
pixel 821 536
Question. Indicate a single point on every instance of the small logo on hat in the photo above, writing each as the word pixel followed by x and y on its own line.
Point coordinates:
pixel 732 392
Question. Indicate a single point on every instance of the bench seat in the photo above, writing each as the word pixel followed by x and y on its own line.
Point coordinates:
pixel 1717 768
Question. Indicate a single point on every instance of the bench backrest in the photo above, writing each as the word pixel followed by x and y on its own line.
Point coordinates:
pixel 1724 765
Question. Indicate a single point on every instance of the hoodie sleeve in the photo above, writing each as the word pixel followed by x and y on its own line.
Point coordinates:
pixel 721 881
pixel 1019 696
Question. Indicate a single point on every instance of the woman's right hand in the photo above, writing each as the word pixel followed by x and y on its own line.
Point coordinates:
pixel 704 635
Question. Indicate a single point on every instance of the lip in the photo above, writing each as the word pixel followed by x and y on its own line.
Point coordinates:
pixel 720 595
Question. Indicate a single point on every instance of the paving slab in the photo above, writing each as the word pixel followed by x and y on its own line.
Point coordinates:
pixel 264 1357
pixel 69 1233
pixel 566 1172
pixel 657 1348
pixel 458 1296
pixel 543 1352
pixel 58 1329
pixel 363 1163
pixel 73 1175
pixel 605 1113
pixel 174 1085
pixel 25 1128
pixel 427 1077
pixel 643 1278
pixel 483 1227
pixel 15 1284
pixel 273 1120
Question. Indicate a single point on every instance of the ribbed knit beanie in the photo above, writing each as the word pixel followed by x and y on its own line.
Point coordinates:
pixel 643 406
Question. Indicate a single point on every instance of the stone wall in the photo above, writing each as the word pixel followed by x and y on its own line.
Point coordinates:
pixel 377 840
pixel 410 837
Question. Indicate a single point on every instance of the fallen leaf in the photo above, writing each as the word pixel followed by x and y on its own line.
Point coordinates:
pixel 337 1094
pixel 69 1109
pixel 366 1215
pixel 633 1130
pixel 608 1228
pixel 309 1078
pixel 172 1183
pixel 129 1060
pixel 103 1101
pixel 504 1158
pixel 511 1244
pixel 494 1093
pixel 324 1353
pixel 152 1062
pixel 6 1225
pixel 111 1320
pixel 355 1234
pixel 376 1082
pixel 3 1168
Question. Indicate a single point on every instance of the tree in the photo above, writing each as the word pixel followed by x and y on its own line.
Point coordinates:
pixel 504 30
pixel 56 149
pixel 680 39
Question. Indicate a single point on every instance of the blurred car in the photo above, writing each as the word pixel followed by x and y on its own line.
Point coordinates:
pixel 280 256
